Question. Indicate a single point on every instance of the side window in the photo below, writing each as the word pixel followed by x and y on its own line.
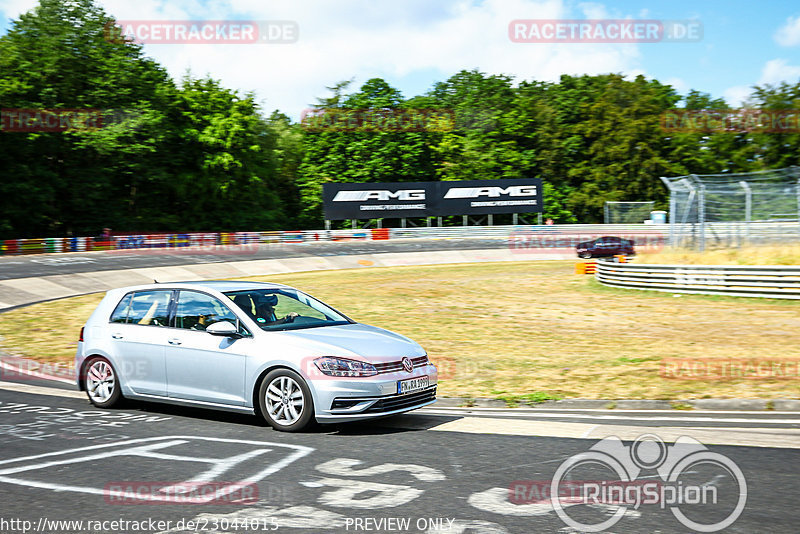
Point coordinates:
pixel 150 308
pixel 120 314
pixel 196 311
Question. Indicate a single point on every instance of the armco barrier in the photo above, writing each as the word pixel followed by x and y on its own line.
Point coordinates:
pixel 519 237
pixel 778 282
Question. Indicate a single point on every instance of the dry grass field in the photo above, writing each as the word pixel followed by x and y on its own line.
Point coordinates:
pixel 786 254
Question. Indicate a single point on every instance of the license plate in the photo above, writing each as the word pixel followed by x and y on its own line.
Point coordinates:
pixel 411 385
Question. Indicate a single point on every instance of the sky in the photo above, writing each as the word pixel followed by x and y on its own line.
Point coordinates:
pixel 415 43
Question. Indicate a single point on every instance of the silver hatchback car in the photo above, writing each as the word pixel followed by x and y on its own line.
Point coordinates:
pixel 248 347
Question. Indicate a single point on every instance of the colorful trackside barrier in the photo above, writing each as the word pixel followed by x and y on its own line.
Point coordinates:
pixel 123 242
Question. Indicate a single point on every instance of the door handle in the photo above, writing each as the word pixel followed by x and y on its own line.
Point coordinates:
pixel 174 341
pixel 116 336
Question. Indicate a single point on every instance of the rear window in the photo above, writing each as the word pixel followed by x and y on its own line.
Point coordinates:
pixel 147 308
pixel 120 314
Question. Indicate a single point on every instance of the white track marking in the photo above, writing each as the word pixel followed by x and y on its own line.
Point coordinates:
pixel 388 495
pixel 344 467
pixel 144 448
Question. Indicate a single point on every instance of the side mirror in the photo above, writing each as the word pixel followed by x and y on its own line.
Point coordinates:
pixel 223 328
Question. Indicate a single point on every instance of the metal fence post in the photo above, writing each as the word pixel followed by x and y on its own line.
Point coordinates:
pixel 701 212
pixel 798 199
pixel 673 207
pixel 748 209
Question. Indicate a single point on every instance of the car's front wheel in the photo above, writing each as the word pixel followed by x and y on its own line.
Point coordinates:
pixel 286 401
pixel 585 255
pixel 102 384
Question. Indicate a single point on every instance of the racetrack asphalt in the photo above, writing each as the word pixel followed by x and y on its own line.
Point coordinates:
pixel 34 265
pixel 61 459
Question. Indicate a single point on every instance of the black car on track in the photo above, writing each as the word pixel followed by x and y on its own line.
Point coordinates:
pixel 605 246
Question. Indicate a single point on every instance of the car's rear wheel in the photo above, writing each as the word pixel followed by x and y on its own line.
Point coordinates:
pixel 285 400
pixel 102 384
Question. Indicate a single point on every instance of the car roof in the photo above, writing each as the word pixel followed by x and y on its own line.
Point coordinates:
pixel 215 285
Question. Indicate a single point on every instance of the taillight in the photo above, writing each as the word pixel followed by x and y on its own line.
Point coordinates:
pixel 80 338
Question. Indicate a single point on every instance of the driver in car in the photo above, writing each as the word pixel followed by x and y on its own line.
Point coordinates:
pixel 265 311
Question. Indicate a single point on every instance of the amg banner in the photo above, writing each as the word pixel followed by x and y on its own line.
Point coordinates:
pixel 431 199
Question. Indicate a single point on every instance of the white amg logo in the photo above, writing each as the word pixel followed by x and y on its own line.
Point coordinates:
pixel 361 196
pixel 493 192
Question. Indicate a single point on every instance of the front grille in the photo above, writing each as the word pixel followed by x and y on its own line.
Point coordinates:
pixel 399 402
pixel 393 367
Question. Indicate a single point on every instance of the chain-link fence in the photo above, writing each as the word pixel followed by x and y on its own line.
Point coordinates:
pixel 730 210
pixel 627 212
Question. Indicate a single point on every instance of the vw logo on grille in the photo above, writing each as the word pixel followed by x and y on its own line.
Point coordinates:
pixel 408 365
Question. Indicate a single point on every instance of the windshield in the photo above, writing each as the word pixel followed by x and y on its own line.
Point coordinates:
pixel 285 309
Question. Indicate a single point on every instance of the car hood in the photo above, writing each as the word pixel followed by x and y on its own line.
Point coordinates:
pixel 355 341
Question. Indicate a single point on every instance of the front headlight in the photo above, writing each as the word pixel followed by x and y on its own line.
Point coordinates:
pixel 340 367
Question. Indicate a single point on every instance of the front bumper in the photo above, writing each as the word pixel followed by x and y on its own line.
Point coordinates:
pixel 356 399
